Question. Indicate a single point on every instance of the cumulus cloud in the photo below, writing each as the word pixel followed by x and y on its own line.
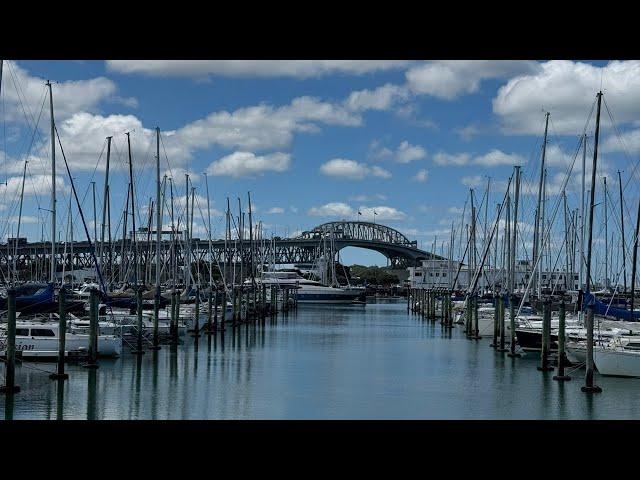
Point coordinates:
pixel 407 153
pixel 493 158
pixel 421 176
pixel 252 68
pixel 381 98
pixel 333 209
pixel 69 97
pixel 275 210
pixel 567 89
pixel 496 157
pixel 264 127
pixel 350 169
pixel 448 79
pixel 343 210
pixel 442 158
pixel 244 164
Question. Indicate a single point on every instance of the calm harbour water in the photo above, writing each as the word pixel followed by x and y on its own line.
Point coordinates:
pixel 343 362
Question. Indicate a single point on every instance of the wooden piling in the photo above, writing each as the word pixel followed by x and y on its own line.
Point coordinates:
pixel 10 386
pixel 476 332
pixel 561 345
pixel 496 317
pixel 589 386
pixel 139 350
pixel 512 325
pixel 196 327
pixel 224 309
pixel 62 336
pixel 502 325
pixel 93 330
pixel 546 335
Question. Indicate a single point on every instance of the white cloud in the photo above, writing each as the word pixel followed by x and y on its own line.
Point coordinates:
pixel 342 210
pixel 496 157
pixel 350 169
pixel 407 153
pixel 448 79
pixel 69 97
pixel 628 142
pixel 442 158
pixel 567 89
pixel 275 210
pixel 243 164
pixel 382 98
pixel 473 181
pixel 252 68
pixel 33 185
pixel 334 209
pixel 493 158
pixel 421 176
pixel 264 127
pixel 381 213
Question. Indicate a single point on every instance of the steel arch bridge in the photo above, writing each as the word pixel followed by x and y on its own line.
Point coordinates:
pixel 388 241
pixel 302 249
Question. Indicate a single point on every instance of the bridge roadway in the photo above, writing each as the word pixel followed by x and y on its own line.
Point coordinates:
pixel 305 248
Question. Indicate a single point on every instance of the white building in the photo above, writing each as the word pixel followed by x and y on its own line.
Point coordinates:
pixel 442 273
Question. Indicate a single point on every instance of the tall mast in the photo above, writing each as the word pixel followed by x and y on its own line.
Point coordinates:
pixel 95 220
pixel 105 202
pixel 187 256
pixel 624 245
pixel 589 386
pixel 53 186
pixel 567 243
pixel 158 217
pixel 635 258
pixel 206 182
pixel 253 278
pixel 133 215
pixel 515 229
pixel 173 239
pixel 606 238
pixel 536 230
pixel 541 233
pixel 15 252
pixel 582 203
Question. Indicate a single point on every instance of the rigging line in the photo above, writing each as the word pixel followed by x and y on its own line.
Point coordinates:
pixel 95 168
pixel 86 230
pixel 624 147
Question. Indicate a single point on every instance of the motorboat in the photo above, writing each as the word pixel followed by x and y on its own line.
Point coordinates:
pixel 33 336
pixel 310 291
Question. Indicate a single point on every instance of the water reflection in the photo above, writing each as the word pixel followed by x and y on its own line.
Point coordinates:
pixel 60 384
pixel 8 406
pixel 337 363
pixel 92 383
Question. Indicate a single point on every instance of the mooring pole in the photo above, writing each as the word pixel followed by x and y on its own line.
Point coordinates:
pixel 10 386
pixel 224 308
pixel 139 350
pixel 496 316
pixel 512 325
pixel 561 339
pixel 215 309
pixel 476 333
pixel 173 325
pixel 62 336
pixel 210 310
pixel 546 334
pixel 196 327
pixel 502 325
pixel 93 330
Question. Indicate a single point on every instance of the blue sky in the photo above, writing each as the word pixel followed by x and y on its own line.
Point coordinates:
pixel 315 141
